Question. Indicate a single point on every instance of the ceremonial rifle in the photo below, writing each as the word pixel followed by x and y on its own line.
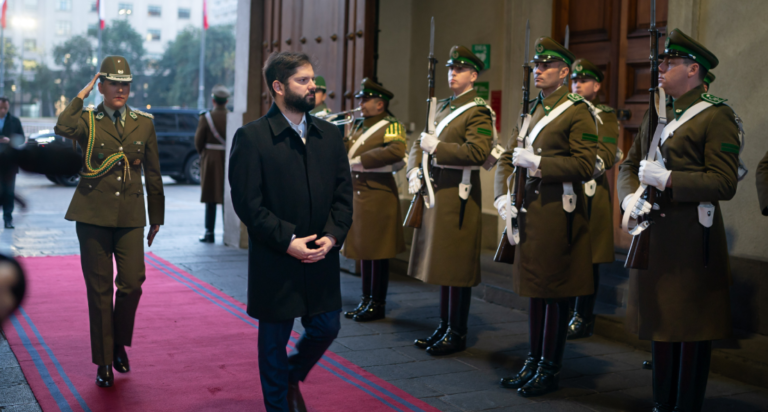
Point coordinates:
pixel 426 195
pixel 637 257
pixel 505 253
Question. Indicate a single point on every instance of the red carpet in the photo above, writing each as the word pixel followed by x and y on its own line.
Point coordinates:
pixel 194 349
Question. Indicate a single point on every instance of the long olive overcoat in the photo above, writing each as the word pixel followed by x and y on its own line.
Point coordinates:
pixel 599 205
pixel 211 160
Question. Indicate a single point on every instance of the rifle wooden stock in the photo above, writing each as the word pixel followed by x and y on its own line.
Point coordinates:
pixel 639 250
pixel 415 212
pixel 505 253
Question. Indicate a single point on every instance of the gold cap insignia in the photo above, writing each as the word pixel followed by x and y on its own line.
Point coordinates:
pixel 539 48
pixel 579 68
pixel 455 54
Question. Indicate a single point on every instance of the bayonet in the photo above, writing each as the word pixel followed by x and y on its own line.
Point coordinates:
pixel 432 39
pixel 527 42
pixel 567 36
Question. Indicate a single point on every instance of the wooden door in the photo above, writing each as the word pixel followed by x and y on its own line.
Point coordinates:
pixel 338 35
pixel 613 34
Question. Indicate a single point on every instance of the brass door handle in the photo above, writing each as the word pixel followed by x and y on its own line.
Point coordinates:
pixel 318 39
pixel 359 33
pixel 334 37
pixel 348 94
pixel 275 43
pixel 288 42
pixel 303 40
pixel 623 114
pixel 350 36
pixel 331 95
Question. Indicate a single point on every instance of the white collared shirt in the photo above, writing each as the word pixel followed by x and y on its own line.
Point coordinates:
pixel 300 128
pixel 111 114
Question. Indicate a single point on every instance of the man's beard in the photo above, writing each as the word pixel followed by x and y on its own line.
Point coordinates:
pixel 298 103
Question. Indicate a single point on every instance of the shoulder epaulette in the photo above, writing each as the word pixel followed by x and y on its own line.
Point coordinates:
pixel 145 114
pixel 575 97
pixel 712 99
pixel 395 132
pixel 202 112
pixel 391 119
pixel 607 109
pixel 480 101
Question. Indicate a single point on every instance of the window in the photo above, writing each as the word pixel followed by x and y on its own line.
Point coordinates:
pixel 153 35
pixel 64 5
pixel 30 3
pixel 125 9
pixel 185 13
pixel 165 122
pixel 30 44
pixel 93 6
pixel 188 122
pixel 63 28
pixel 155 11
pixel 93 29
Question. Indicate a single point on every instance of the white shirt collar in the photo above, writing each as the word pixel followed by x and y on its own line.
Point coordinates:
pixel 111 113
pixel 300 128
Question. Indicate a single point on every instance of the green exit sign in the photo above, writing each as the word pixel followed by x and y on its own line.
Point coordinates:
pixel 483 52
pixel 483 90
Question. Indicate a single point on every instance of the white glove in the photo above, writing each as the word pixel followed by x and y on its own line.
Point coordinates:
pixel 653 174
pixel 429 142
pixel 414 182
pixel 525 158
pixel 640 208
pixel 356 164
pixel 599 168
pixel 501 206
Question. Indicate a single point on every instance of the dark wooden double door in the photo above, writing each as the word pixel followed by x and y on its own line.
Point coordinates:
pixel 339 36
pixel 613 34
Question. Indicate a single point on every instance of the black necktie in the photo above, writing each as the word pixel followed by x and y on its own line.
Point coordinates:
pixel 118 125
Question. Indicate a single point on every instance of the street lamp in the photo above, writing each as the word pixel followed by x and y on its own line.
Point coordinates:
pixel 22 23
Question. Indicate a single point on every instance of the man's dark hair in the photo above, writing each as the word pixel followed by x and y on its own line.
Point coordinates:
pixel 4 99
pixel 280 66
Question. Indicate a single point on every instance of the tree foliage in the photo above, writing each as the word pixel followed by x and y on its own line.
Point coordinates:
pixel 120 39
pixel 76 57
pixel 175 77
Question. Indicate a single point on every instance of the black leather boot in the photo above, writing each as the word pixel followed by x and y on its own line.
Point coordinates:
pixel 374 311
pixel 104 376
pixel 210 223
pixel 455 339
pixel 694 371
pixel 546 380
pixel 666 369
pixel 121 359
pixel 364 301
pixel 295 400
pixel 582 324
pixel 424 343
pixel 527 373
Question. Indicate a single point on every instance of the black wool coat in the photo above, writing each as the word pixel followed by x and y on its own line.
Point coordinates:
pixel 282 187
pixel 12 127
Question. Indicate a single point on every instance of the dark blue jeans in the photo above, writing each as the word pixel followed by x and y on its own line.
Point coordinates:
pixel 7 190
pixel 277 369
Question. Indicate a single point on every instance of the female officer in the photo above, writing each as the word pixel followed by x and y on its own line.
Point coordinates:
pixel 108 206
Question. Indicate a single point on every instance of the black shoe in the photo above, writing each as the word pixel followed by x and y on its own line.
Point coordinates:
pixel 121 359
pixel 516 382
pixel 364 301
pixel 9 225
pixel 580 328
pixel 374 311
pixel 104 376
pixel 451 342
pixel 295 400
pixel 648 365
pixel 207 237
pixel 662 408
pixel 547 380
pixel 438 334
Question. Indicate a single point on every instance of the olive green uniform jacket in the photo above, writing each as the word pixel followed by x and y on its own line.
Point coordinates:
pixel 115 199
pixel 441 253
pixel 377 224
pixel 761 179
pixel 211 160
pixel 550 264
pixel 599 206
pixel 321 108
pixel 680 298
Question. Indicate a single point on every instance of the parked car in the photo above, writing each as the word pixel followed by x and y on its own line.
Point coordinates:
pixel 175 129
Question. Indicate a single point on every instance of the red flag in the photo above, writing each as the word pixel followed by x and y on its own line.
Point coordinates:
pixel 205 15
pixel 5 8
pixel 100 10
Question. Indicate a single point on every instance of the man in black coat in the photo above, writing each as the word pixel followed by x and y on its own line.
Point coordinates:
pixel 10 127
pixel 291 187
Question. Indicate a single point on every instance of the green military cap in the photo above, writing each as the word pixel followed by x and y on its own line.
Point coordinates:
pixel 679 44
pixel 116 68
pixel 320 83
pixel 548 50
pixel 220 92
pixel 461 56
pixel 709 78
pixel 583 68
pixel 369 88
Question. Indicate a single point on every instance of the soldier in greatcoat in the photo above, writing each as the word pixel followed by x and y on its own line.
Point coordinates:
pixel 682 302
pixel 118 142
pixel 554 251
pixel 210 142
pixel 446 249
pixel 375 147
pixel 586 80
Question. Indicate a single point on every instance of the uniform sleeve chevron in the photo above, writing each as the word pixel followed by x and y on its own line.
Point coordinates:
pixel 395 133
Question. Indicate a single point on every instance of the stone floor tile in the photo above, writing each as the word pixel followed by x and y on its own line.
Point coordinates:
pixel 611 381
pixel 438 403
pixel 418 369
pixel 461 382
pixel 389 340
pixel 15 395
pixel 11 377
pixel 415 388
pixel 376 357
pixel 484 400
pixel 744 402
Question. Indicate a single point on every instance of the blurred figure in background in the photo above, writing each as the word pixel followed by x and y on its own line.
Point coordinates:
pixel 210 142
pixel 320 94
pixel 12 286
pixel 10 126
